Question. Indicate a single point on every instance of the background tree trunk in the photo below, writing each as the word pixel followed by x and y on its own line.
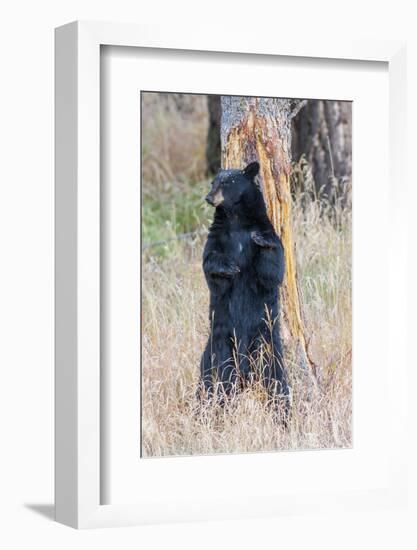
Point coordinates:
pixel 213 134
pixel 322 131
pixel 260 129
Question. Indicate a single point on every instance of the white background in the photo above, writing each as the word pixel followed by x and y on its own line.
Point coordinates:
pixel 26 301
pixel 365 466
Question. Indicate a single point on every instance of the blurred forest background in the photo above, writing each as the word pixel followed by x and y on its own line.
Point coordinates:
pixel 181 151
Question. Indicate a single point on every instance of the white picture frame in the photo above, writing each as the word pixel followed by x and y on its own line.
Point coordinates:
pixel 77 242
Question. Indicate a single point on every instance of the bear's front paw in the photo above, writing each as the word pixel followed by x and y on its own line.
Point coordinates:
pixel 264 241
pixel 228 270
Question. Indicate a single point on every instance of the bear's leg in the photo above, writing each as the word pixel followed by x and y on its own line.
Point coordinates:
pixel 277 384
pixel 265 364
pixel 244 368
pixel 206 374
pixel 267 353
pixel 226 370
pixel 243 355
pixel 277 380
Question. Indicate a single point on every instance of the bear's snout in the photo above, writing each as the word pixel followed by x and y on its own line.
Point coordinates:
pixel 209 199
pixel 215 198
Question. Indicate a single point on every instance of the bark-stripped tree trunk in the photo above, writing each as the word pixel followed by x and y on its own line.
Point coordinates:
pixel 260 129
pixel 322 132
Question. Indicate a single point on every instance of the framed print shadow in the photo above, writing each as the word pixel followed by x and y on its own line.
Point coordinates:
pixel 221 296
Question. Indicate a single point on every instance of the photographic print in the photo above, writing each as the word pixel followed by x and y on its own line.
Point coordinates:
pixel 246 257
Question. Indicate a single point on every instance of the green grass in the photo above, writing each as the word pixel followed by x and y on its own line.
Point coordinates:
pixel 173 214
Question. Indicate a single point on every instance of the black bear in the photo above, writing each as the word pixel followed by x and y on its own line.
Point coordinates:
pixel 243 262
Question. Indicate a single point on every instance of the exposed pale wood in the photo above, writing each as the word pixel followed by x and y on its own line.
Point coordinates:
pixel 260 129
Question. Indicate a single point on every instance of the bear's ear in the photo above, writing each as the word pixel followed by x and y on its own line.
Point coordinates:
pixel 251 170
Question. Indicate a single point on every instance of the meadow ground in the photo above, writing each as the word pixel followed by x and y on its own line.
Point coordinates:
pixel 175 328
pixel 175 315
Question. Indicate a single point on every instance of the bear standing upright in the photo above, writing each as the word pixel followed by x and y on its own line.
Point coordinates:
pixel 244 265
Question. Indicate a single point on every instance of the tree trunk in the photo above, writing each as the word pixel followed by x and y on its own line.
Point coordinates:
pixel 322 132
pixel 260 129
pixel 213 134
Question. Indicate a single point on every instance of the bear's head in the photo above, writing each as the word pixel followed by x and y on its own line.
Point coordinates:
pixel 229 187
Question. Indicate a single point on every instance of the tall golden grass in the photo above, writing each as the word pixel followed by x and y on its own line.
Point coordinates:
pixel 175 328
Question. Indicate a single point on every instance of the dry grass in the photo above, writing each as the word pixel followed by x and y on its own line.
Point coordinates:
pixel 175 328
pixel 175 305
pixel 174 128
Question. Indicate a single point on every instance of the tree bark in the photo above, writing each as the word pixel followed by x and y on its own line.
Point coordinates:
pixel 260 129
pixel 322 132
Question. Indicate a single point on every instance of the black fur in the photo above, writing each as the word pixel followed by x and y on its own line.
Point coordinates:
pixel 244 265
